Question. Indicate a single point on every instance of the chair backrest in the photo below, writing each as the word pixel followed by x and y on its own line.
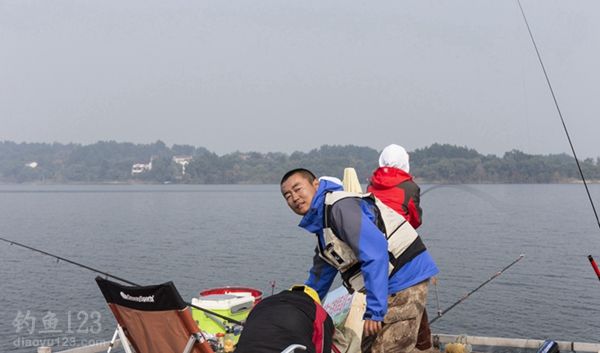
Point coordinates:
pixel 155 318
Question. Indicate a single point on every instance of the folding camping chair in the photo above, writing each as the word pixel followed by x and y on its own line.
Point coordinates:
pixel 153 319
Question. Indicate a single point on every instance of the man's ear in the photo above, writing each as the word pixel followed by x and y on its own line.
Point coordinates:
pixel 316 183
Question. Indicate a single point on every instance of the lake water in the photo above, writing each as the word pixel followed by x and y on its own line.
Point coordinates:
pixel 209 236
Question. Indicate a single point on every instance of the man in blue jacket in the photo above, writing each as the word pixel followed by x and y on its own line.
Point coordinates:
pixel 350 241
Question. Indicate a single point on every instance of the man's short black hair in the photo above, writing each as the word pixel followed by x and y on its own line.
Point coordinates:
pixel 307 174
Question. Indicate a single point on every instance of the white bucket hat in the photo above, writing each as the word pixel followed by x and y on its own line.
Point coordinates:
pixel 394 156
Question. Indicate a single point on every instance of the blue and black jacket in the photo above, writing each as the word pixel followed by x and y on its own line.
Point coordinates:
pixel 355 222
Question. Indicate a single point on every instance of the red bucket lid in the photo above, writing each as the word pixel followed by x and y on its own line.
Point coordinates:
pixel 232 290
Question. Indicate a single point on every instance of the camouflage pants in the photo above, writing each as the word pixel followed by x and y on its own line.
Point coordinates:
pixel 401 323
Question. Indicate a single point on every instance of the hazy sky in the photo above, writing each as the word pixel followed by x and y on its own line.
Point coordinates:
pixel 293 75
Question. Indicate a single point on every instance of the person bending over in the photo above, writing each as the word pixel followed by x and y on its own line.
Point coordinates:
pixel 292 316
pixel 391 269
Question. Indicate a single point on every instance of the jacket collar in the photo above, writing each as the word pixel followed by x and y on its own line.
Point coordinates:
pixel 387 177
pixel 313 219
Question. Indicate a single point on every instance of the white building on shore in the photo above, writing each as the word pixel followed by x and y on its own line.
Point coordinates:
pixel 183 161
pixel 141 168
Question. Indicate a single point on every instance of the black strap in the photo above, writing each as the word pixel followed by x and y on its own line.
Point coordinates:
pixel 416 248
pixel 349 273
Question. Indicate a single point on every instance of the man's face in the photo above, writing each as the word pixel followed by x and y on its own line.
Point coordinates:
pixel 299 192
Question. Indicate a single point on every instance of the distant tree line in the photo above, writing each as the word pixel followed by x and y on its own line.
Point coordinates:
pixel 108 162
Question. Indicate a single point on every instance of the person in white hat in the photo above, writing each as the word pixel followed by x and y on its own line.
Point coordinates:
pixel 394 186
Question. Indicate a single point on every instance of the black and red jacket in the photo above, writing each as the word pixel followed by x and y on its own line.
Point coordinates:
pixel 396 188
pixel 289 317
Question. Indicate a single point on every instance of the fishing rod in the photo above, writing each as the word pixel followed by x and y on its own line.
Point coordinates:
pixel 440 314
pixel 497 204
pixel 594 266
pixel 564 126
pixel 106 274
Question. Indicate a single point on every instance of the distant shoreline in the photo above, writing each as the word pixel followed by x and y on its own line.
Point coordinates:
pixel 417 180
pixel 113 163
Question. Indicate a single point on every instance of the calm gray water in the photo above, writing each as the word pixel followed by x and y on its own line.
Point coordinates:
pixel 208 236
